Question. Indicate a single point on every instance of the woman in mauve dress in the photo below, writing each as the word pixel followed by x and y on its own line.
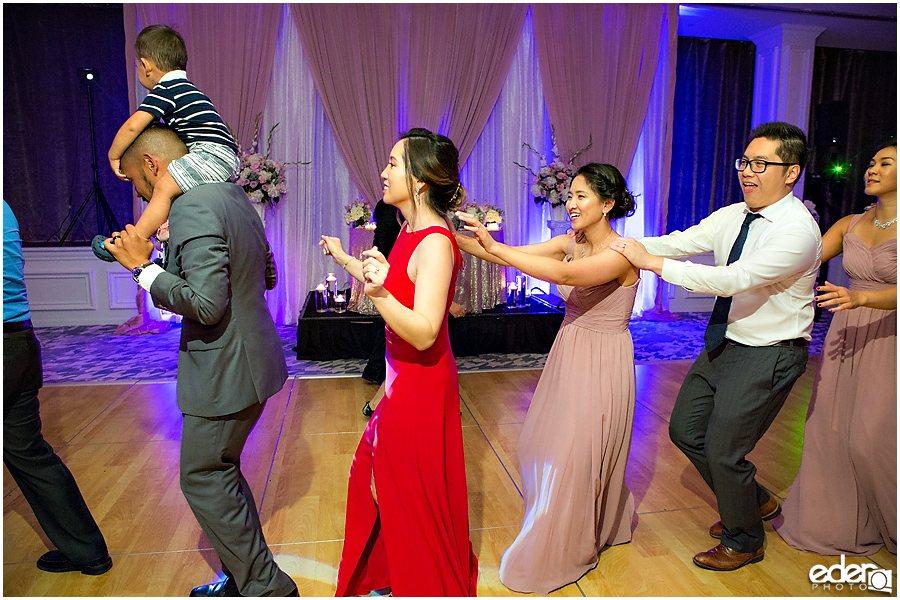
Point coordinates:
pixel 844 499
pixel 577 433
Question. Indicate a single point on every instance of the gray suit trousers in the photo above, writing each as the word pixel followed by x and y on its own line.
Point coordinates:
pixel 724 407
pixel 220 497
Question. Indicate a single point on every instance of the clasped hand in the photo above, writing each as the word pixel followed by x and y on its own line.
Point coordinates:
pixel 129 247
pixel 375 269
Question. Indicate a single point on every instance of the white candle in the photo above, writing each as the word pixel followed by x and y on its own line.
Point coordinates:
pixel 320 287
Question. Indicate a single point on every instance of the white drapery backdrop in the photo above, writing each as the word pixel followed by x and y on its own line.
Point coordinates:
pixel 648 177
pixel 314 204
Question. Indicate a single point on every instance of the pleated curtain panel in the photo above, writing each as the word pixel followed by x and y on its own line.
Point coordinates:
pixel 379 69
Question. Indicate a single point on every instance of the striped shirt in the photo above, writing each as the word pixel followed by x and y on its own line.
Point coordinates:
pixel 187 110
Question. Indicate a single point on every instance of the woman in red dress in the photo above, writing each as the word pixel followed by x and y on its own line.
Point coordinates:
pixel 407 527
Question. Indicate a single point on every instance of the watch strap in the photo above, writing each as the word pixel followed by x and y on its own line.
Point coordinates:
pixel 136 272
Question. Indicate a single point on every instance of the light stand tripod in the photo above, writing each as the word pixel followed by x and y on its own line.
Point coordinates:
pixel 104 212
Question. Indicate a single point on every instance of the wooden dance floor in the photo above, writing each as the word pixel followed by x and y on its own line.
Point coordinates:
pixel 121 442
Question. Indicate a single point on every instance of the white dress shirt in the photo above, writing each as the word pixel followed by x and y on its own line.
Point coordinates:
pixel 772 283
pixel 148 275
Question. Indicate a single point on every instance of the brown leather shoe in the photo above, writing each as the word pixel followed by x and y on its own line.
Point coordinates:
pixel 723 558
pixel 768 511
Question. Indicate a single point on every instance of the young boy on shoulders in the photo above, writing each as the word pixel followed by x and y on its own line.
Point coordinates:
pixel 212 158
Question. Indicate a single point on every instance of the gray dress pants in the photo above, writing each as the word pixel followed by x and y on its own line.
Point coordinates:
pixel 220 497
pixel 724 407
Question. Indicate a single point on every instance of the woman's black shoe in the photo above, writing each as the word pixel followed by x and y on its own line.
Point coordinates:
pixel 367 410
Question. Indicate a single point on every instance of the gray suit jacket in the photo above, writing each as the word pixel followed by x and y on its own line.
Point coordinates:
pixel 230 355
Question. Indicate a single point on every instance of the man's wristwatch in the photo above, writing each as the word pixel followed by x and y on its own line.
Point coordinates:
pixel 136 272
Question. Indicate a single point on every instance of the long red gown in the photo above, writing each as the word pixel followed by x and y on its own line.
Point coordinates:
pixel 416 539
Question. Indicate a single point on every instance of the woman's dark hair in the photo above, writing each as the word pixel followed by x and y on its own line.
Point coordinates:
pixel 162 45
pixel 433 159
pixel 886 142
pixel 606 181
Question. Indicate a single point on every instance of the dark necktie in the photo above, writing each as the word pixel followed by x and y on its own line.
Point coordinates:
pixel 718 321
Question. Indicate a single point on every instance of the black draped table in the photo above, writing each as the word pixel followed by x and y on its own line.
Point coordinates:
pixel 331 335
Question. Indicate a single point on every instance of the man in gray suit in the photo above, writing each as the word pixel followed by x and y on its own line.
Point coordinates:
pixel 230 360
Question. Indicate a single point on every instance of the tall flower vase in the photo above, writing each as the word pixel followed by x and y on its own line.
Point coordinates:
pixel 559 224
pixel 260 210
pixel 559 220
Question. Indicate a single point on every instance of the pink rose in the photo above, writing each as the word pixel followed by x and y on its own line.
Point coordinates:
pixel 265 188
pixel 263 178
pixel 253 184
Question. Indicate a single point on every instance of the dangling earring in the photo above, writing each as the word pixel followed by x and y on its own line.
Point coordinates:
pixel 417 194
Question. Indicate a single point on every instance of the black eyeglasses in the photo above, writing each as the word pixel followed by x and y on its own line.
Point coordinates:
pixel 757 165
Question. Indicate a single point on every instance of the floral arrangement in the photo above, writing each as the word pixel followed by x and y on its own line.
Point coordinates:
pixel 552 180
pixel 485 213
pixel 261 177
pixel 358 213
pixel 811 206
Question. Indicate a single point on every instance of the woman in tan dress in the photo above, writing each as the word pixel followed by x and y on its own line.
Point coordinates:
pixel 844 499
pixel 577 433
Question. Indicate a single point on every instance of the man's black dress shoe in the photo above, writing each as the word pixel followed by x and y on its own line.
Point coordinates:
pixel 226 588
pixel 56 562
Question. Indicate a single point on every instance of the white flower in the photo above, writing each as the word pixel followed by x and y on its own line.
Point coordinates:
pixel 810 205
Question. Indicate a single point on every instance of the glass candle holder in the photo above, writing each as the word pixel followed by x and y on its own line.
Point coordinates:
pixel 340 304
pixel 321 297
pixel 521 300
pixel 330 290
pixel 512 292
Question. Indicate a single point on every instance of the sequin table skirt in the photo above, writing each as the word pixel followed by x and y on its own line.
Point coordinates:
pixel 480 285
pixel 360 239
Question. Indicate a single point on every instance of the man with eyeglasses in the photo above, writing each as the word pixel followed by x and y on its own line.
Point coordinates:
pixel 767 252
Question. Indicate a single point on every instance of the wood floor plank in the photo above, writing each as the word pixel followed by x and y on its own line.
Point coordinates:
pixel 494 500
pixel 307 495
pixel 66 410
pixel 122 444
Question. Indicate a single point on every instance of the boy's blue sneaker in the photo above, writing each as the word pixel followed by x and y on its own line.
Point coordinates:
pixel 99 251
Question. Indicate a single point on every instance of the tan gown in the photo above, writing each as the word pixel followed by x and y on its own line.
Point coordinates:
pixel 844 499
pixel 574 445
